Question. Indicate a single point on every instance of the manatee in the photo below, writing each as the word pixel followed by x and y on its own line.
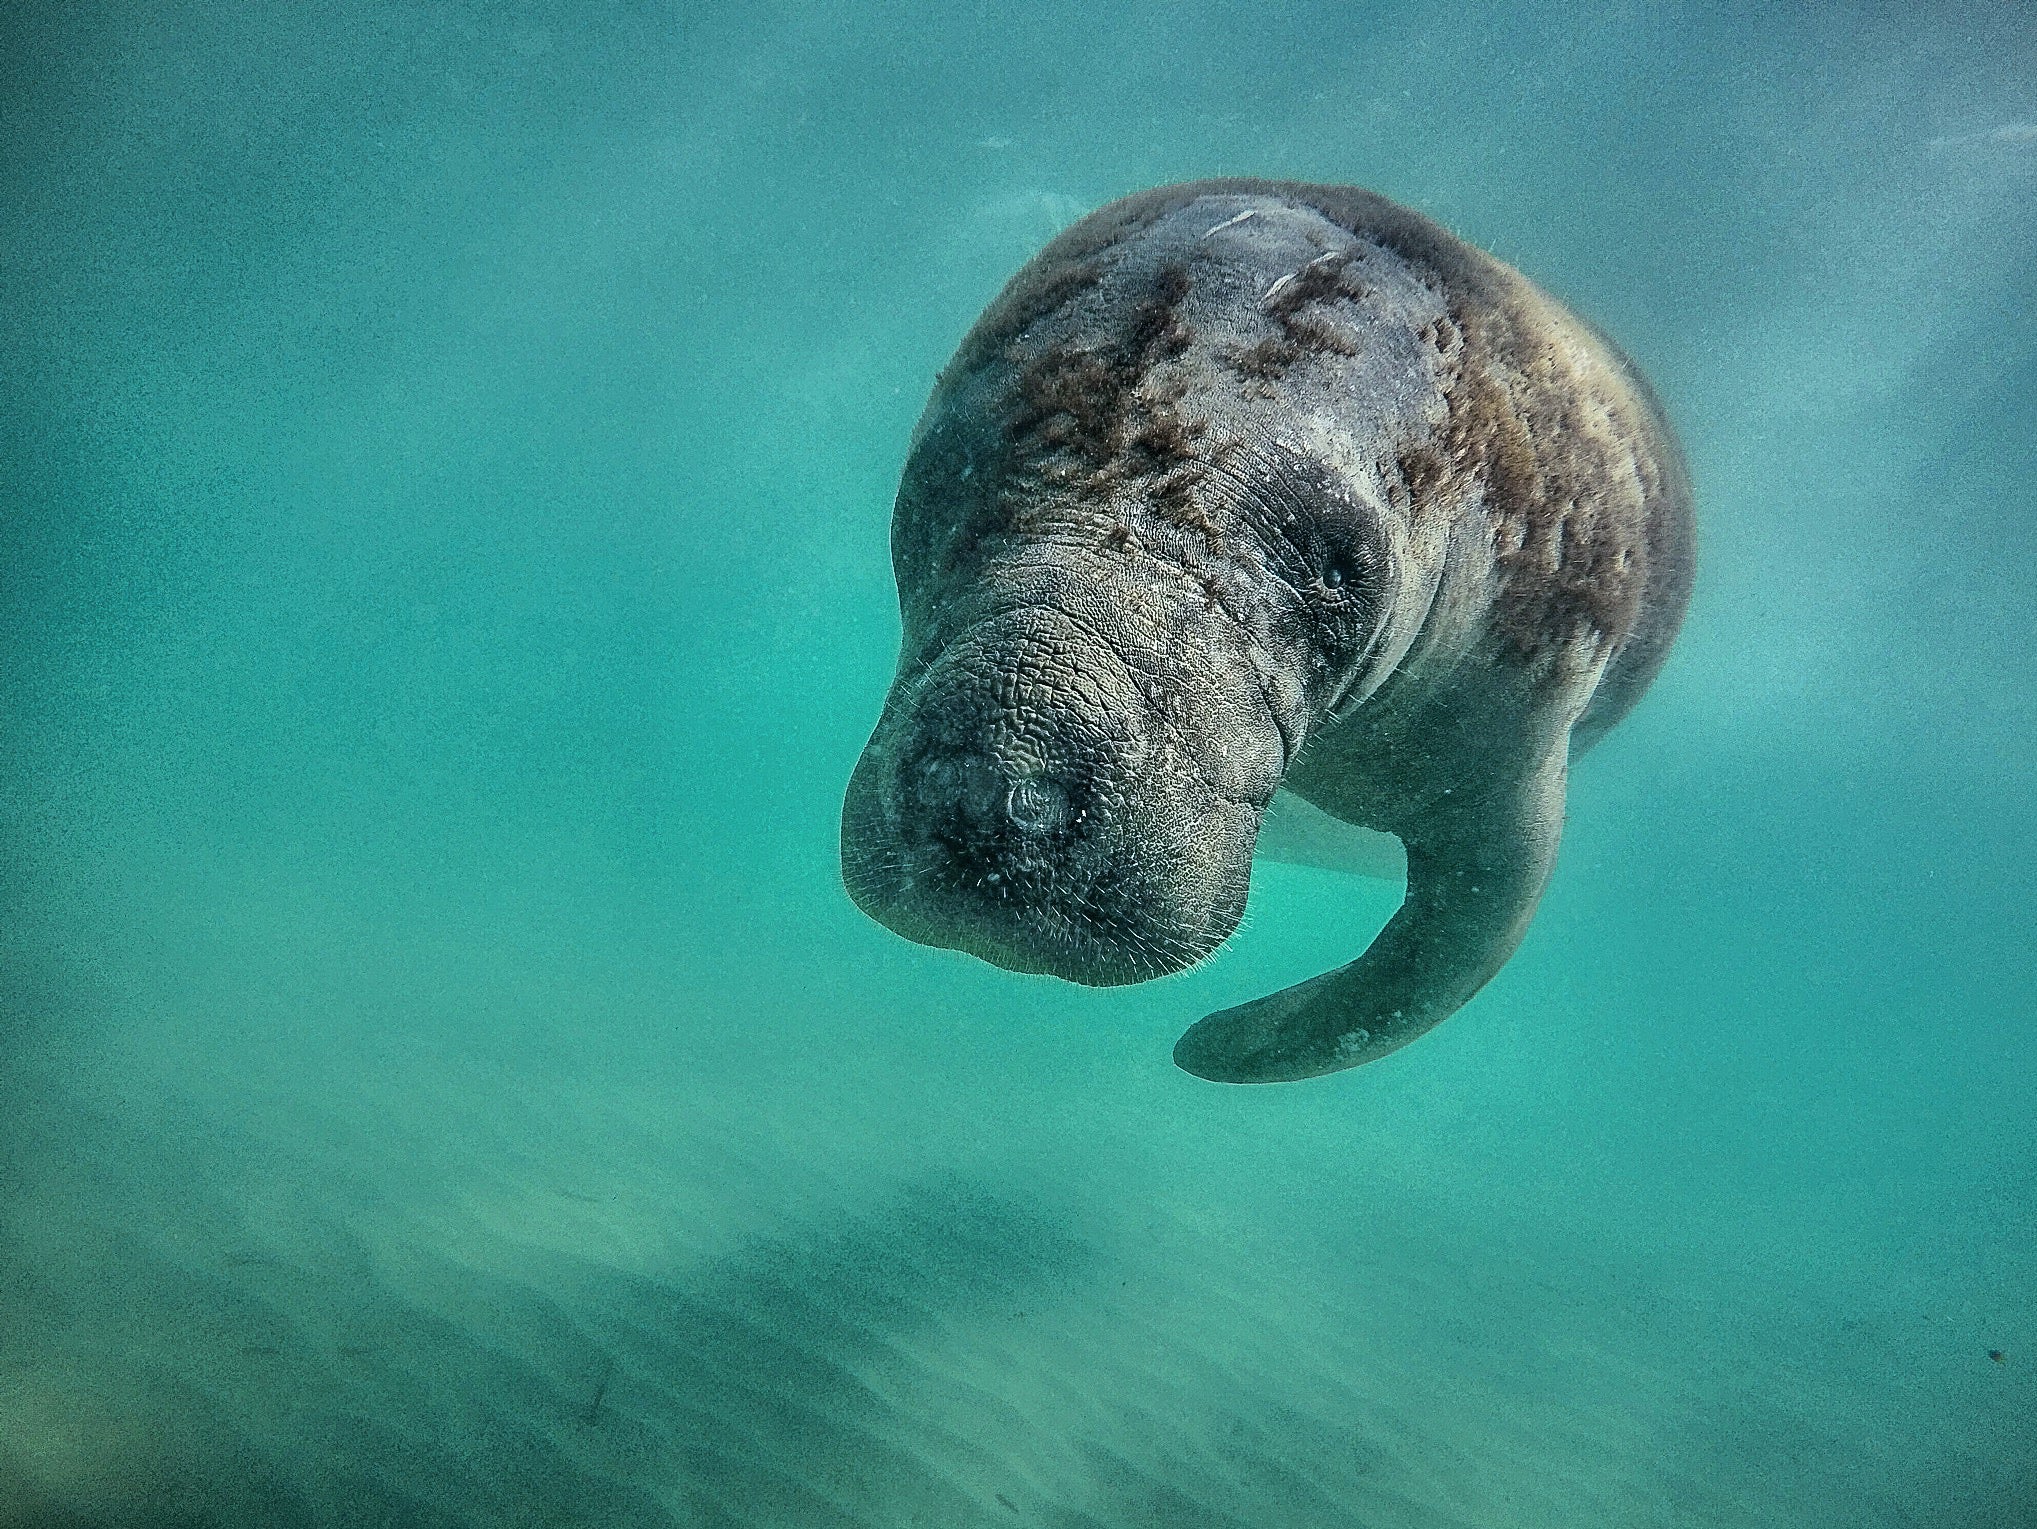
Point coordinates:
pixel 1247 486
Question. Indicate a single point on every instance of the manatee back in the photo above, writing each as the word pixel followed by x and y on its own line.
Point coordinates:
pixel 1554 427
pixel 1551 429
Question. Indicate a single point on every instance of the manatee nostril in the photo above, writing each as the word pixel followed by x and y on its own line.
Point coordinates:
pixel 970 801
pixel 1036 806
pixel 932 777
pixel 954 796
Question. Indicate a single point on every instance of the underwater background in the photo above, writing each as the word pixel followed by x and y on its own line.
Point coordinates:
pixel 446 455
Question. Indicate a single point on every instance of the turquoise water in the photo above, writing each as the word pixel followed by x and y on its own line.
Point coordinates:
pixel 447 460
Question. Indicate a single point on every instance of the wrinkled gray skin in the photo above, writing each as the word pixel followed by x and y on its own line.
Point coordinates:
pixel 1243 485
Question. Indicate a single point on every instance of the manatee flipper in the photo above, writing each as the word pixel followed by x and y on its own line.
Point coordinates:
pixel 1475 873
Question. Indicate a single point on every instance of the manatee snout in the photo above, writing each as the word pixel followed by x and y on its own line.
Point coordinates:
pixel 997 779
pixel 1019 801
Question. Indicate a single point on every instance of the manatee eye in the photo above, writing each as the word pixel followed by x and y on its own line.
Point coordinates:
pixel 1344 571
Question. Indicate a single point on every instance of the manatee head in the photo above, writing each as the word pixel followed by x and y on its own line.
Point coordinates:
pixel 1139 558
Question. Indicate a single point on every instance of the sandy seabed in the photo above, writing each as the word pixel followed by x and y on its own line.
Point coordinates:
pixel 363 1266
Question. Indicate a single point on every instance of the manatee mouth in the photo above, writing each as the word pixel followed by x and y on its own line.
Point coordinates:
pixel 1051 901
pixel 1044 823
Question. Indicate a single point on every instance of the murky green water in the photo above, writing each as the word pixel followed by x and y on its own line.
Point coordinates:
pixel 445 462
